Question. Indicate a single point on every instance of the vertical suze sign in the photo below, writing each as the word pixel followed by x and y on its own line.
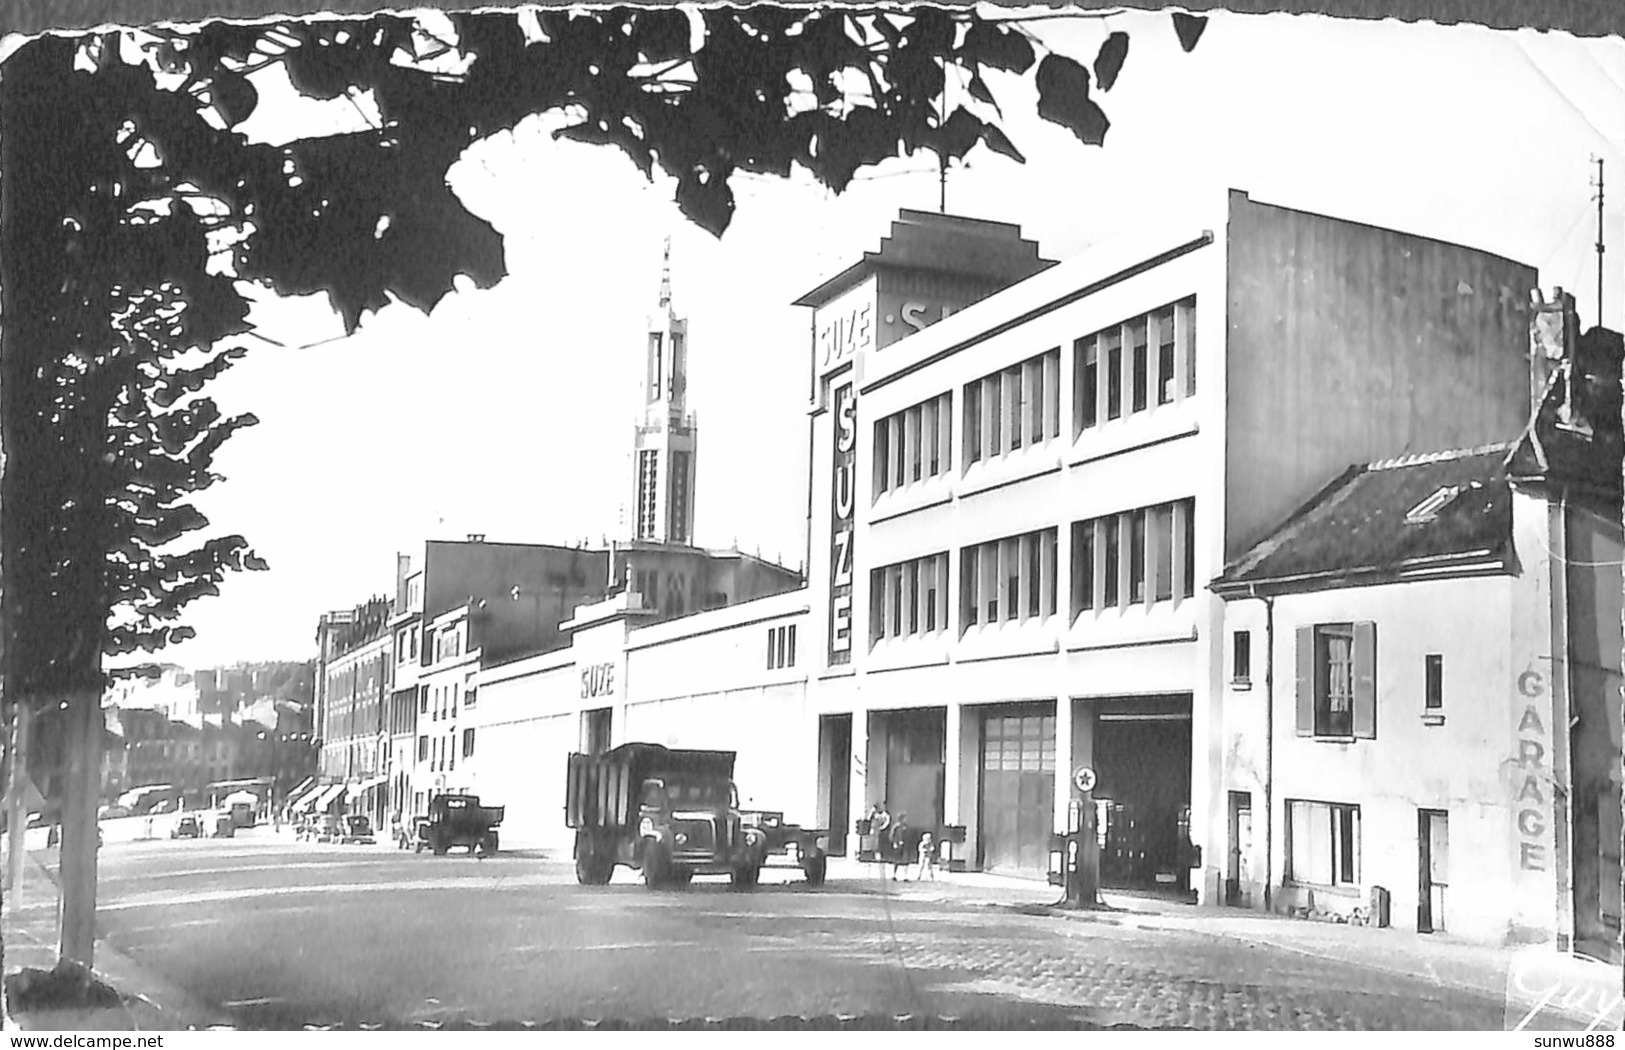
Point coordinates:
pixel 842 497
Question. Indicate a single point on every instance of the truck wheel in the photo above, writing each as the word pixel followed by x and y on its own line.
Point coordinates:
pixel 682 876
pixel 439 845
pixel 656 865
pixel 814 867
pixel 592 870
pixel 488 845
pixel 745 876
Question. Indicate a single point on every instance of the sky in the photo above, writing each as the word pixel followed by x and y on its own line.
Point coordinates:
pixel 509 411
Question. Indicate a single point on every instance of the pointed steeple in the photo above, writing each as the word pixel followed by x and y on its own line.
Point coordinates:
pixel 665 277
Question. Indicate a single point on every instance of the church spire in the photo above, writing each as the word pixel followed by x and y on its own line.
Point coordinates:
pixel 665 276
pixel 664 444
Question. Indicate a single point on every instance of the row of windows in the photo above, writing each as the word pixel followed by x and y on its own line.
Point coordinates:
pixel 1129 558
pixel 442 699
pixel 908 598
pixel 781 647
pixel 913 444
pixel 1117 371
pixel 1008 579
pixel 1013 408
pixel 441 751
pixel 1117 560
pixel 1337 679
pixel 1117 368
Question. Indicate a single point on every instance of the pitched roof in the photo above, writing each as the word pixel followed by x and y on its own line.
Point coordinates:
pixel 1388 520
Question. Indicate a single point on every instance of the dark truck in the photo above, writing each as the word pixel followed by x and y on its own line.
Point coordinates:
pixel 669 813
pixel 460 820
pixel 802 847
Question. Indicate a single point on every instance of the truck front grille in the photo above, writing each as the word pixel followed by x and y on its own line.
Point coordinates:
pixel 697 835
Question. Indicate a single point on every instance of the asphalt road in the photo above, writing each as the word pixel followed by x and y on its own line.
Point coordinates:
pixel 281 934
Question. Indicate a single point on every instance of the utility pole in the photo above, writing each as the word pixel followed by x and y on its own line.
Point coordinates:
pixel 1600 248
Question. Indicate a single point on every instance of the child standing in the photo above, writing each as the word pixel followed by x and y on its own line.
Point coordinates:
pixel 928 858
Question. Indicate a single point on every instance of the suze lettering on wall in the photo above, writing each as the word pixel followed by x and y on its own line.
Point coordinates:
pixel 843 495
pixel 1532 776
pixel 912 315
pixel 845 327
pixel 597 680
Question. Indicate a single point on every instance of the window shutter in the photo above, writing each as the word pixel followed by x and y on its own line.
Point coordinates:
pixel 1365 680
pixel 1306 681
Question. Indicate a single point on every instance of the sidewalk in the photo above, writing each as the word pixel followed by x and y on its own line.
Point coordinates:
pixel 135 1000
pixel 1448 962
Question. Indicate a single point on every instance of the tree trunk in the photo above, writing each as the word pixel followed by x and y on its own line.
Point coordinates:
pixel 79 802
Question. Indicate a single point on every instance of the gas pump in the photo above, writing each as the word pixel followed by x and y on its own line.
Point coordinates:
pixel 1075 856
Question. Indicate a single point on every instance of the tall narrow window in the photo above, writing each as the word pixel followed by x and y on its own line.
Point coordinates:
pixel 1088 382
pixel 1136 556
pixel 973 422
pixel 993 391
pixel 1109 541
pixel 969 574
pixel 1189 553
pixel 911 573
pixel 655 366
pixel 1241 659
pixel 1187 335
pixel 1433 699
pixel 1114 376
pixel 913 437
pixel 790 646
pixel 1033 393
pixel 1165 357
pixel 882 456
pixel 1139 365
pixel 648 477
pixel 1334 668
pixel 679 497
pixel 1035 573
pixel 1160 542
pixel 1083 566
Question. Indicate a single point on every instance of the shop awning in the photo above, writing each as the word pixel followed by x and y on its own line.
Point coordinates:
pixel 318 801
pixel 368 785
pixel 303 791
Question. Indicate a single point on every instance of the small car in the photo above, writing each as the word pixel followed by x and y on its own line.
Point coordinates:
pixel 357 829
pixel 186 828
pixel 327 828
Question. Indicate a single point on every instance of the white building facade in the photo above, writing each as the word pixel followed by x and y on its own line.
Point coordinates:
pixel 1022 477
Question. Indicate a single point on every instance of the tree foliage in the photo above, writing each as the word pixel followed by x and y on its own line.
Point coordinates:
pixel 136 211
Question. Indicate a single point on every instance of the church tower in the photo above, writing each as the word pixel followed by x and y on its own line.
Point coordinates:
pixel 663 450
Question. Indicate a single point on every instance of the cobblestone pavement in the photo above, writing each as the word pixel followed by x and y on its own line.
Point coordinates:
pixel 271 934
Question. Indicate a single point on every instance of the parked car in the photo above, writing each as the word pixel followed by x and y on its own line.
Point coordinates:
pixel 186 828
pixel 224 826
pixel 357 829
pixel 327 828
